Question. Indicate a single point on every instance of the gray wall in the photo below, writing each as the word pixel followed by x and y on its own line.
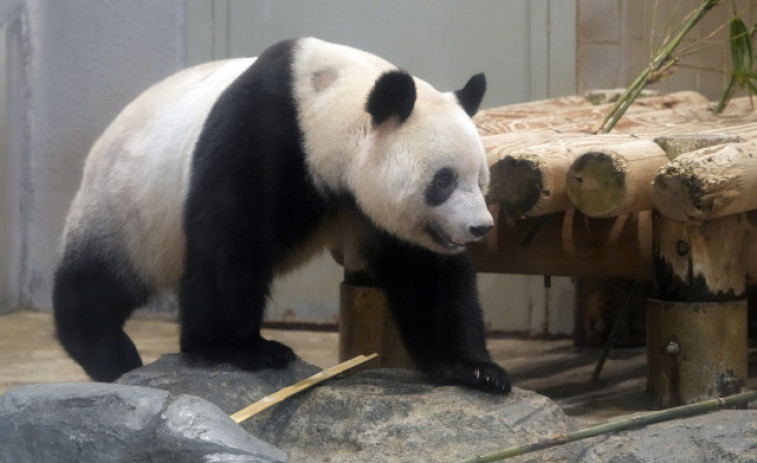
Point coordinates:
pixel 68 68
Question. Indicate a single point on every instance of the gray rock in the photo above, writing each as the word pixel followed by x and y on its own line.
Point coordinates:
pixel 724 436
pixel 397 416
pixel 103 423
pixel 228 387
pixel 373 416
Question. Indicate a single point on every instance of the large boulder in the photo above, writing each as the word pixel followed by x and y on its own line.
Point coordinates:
pixel 372 416
pixel 103 423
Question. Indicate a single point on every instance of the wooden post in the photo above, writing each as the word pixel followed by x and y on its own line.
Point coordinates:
pixel 366 326
pixel 697 325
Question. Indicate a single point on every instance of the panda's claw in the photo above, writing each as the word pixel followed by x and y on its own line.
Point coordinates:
pixel 486 376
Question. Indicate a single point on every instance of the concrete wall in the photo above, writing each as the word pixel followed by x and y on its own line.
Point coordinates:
pixel 69 67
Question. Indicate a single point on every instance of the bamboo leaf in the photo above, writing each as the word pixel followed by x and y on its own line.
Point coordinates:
pixel 741 46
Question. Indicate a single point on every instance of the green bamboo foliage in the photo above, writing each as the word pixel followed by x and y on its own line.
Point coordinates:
pixel 661 66
pixel 742 61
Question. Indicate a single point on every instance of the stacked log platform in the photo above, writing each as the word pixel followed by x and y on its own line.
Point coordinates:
pixel 669 197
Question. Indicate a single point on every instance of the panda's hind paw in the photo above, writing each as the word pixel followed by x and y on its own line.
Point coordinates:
pixel 264 354
pixel 486 376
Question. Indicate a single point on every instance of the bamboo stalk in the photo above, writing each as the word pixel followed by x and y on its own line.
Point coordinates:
pixel 657 68
pixel 618 425
pixel 307 383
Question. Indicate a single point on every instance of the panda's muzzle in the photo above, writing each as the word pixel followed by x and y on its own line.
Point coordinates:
pixel 442 238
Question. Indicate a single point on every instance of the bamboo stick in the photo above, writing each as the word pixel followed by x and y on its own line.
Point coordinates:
pixel 307 383
pixel 657 69
pixel 618 425
pixel 615 179
pixel 708 183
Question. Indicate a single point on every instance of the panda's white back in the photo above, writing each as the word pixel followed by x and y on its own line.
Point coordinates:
pixel 136 176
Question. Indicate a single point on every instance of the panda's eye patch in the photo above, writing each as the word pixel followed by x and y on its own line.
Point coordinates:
pixel 442 186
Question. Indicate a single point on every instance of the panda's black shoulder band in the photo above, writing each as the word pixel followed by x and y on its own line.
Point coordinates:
pixel 393 94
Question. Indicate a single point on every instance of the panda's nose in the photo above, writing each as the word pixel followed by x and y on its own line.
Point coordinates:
pixel 479 230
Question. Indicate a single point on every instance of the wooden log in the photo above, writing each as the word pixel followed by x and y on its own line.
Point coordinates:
pixel 572 244
pixel 614 179
pixel 367 326
pixel 611 95
pixel 708 183
pixel 568 244
pixel 528 179
pixel 582 118
pixel 697 325
pixel 699 261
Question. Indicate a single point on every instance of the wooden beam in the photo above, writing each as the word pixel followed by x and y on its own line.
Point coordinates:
pixel 571 244
pixel 708 183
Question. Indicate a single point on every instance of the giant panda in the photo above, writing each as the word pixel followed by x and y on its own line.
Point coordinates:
pixel 223 176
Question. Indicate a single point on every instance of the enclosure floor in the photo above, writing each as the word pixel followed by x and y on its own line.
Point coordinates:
pixel 29 353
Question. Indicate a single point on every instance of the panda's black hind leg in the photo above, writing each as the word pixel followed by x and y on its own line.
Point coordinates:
pixel 91 302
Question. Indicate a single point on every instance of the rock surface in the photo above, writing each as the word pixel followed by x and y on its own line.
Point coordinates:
pixel 723 436
pixel 103 423
pixel 228 387
pixel 373 416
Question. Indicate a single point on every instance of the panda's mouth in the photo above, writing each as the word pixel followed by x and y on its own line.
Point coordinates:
pixel 442 238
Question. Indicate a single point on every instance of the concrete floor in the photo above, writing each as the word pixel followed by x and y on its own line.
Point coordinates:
pixel 29 353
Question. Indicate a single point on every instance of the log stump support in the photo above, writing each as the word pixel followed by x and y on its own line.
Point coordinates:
pixel 366 325
pixel 697 320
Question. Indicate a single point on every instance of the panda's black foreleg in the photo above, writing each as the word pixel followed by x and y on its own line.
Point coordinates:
pixel 434 300
pixel 222 301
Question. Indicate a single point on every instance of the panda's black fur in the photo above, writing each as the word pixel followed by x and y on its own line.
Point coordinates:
pixel 251 204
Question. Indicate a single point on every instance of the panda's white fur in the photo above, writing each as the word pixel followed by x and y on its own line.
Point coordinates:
pixel 136 175
pixel 352 161
pixel 344 153
pixel 156 133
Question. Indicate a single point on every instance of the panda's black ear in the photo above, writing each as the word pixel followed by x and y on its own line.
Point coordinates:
pixel 472 93
pixel 393 94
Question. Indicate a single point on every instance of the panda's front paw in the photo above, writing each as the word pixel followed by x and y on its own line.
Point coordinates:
pixel 486 376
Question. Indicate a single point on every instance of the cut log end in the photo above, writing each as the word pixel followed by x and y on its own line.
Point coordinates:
pixel 596 184
pixel 708 183
pixel 518 185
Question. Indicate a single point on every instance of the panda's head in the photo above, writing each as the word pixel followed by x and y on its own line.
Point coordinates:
pixel 423 170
